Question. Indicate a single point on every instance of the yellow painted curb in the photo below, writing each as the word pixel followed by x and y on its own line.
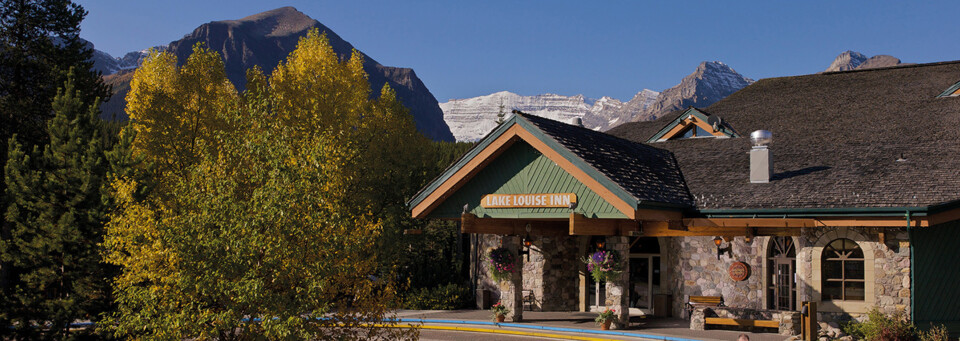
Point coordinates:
pixel 496 331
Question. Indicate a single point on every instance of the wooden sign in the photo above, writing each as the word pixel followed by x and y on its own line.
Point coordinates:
pixel 528 200
pixel 739 271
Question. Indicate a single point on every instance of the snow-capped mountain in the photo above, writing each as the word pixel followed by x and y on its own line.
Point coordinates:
pixel 472 118
pixel 709 83
pixel 108 65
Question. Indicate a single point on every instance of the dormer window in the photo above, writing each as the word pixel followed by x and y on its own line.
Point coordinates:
pixel 694 123
pixel 694 131
pixel 952 91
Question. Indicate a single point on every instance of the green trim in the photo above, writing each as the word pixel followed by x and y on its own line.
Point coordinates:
pixel 950 90
pixel 539 135
pixel 691 111
pixel 453 168
pixel 921 211
pixel 579 163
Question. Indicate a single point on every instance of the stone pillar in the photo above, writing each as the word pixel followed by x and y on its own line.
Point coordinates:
pixel 511 292
pixel 618 293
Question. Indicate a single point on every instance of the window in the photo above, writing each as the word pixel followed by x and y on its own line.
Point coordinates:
pixel 843 271
pixel 694 123
pixel 694 131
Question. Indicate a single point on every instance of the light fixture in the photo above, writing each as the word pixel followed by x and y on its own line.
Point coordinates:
pixel 527 242
pixel 718 241
pixel 600 243
pixel 748 239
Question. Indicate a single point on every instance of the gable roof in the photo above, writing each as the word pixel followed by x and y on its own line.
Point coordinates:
pixel 632 175
pixel 698 118
pixel 837 138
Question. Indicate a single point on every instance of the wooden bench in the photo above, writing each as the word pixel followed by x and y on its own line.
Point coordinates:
pixel 741 322
pixel 703 301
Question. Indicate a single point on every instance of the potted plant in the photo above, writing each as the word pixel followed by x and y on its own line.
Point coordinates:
pixel 605 318
pixel 500 311
pixel 603 264
pixel 502 263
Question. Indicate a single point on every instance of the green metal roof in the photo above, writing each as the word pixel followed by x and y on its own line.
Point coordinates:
pixel 639 175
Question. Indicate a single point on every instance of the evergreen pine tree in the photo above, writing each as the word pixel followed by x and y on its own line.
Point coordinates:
pixel 501 114
pixel 57 211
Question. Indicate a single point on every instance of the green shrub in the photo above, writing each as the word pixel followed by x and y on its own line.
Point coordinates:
pixel 882 327
pixel 936 333
pixel 444 297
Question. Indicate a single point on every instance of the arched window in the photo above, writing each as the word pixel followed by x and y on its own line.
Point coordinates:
pixel 843 271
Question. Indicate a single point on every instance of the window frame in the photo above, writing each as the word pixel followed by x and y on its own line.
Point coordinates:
pixel 844 257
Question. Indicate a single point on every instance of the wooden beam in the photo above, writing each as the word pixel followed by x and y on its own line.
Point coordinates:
pixel 873 222
pixel 469 223
pixel 945 216
pixel 662 229
pixel 749 222
pixel 466 172
pixel 583 226
pixel 665 215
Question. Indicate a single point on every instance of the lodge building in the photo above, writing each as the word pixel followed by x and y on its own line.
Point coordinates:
pixel 855 203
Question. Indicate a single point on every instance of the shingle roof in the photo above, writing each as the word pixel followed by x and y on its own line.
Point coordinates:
pixel 649 174
pixel 837 138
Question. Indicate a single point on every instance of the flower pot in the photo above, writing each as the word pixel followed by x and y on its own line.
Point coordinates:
pixel 606 325
pixel 500 318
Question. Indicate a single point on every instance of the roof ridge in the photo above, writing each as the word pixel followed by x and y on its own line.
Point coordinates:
pixel 599 133
pixel 899 66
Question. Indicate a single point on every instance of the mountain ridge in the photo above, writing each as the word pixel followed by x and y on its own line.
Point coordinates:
pixel 471 118
pixel 265 39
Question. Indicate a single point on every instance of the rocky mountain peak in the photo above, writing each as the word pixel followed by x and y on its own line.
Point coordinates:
pixel 851 60
pixel 848 60
pixel 709 83
pixel 278 22
pixel 265 39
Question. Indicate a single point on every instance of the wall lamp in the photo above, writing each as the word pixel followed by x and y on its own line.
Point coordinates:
pixel 720 250
pixel 527 242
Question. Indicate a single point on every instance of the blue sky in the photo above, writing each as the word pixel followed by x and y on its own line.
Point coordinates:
pixel 470 48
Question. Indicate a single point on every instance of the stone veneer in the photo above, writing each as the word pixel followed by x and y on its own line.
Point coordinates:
pixel 695 270
pixel 551 272
pixel 690 267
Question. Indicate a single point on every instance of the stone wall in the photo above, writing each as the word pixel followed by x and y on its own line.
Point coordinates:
pixel 697 272
pixel 891 268
pixel 690 267
pixel 559 284
pixel 550 272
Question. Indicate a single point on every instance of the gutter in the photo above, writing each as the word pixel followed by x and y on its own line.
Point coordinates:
pixel 913 270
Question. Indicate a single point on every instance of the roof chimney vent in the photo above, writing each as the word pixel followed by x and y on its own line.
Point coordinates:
pixel 576 121
pixel 761 162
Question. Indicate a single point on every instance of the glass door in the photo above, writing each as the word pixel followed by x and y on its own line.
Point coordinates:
pixel 644 283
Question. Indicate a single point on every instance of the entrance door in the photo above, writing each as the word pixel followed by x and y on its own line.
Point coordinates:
pixel 644 274
pixel 781 264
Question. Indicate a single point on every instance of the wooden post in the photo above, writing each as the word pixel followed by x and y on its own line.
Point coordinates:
pixel 809 328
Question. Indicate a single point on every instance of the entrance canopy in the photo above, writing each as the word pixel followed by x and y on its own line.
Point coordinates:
pixel 536 169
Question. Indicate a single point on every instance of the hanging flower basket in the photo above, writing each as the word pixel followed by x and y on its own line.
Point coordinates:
pixel 502 263
pixel 603 265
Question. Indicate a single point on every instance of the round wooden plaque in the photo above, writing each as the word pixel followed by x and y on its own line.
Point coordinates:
pixel 739 271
